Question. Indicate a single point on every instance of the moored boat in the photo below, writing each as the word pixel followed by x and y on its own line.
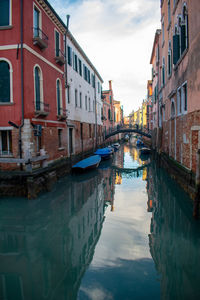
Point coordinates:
pixel 105 153
pixel 139 143
pixel 116 146
pixel 91 162
pixel 145 150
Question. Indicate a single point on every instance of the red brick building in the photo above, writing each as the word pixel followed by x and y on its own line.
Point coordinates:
pixel 178 132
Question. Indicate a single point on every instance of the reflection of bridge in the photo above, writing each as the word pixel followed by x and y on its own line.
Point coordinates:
pixel 128 170
pixel 119 129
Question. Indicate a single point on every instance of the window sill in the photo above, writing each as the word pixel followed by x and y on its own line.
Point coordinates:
pixel 61 149
pixel 7 27
pixel 6 103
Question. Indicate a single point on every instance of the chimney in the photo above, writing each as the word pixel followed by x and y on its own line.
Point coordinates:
pixel 110 85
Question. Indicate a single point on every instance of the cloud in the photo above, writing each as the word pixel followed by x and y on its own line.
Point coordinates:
pixel 117 36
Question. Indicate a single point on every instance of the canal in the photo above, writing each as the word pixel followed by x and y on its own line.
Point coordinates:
pixel 124 231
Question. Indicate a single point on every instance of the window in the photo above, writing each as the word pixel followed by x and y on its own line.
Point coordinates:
pixel 38 89
pixel 5 142
pixel 59 138
pixel 184 97
pixel 172 109
pixel 80 96
pixel 98 87
pixel 69 55
pixel 184 30
pixel 163 32
pixel 36 22
pixel 68 94
pixel 85 73
pixel 169 64
pixel 163 72
pixel 85 102
pixel 176 46
pixel 80 67
pixel 93 81
pixel 169 12
pixel 4 12
pixel 88 77
pixel 89 105
pixel 179 101
pixel 75 62
pixel 5 82
pixel 76 98
pixel 110 98
pixel 57 43
pixel 59 97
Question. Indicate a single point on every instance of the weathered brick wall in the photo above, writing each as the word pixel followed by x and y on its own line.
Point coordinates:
pixel 181 139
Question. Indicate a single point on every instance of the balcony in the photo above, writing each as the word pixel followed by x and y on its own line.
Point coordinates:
pixel 62 114
pixel 40 38
pixel 60 57
pixel 41 109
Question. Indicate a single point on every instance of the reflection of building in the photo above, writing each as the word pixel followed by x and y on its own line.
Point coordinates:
pixel 174 238
pixel 47 244
pixel 118 178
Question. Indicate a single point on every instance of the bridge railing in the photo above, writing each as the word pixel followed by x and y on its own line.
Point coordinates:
pixel 129 126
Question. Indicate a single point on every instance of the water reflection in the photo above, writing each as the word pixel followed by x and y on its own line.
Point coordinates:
pixel 174 237
pixel 55 248
pixel 47 244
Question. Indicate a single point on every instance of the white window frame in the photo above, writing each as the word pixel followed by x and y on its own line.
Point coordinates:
pixel 183 98
pixel 179 101
pixel 11 80
pixel 41 88
pixel 40 19
pixel 61 100
pixel 9 152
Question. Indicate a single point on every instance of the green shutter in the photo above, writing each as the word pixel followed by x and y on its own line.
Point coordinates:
pixel 37 88
pixel 4 82
pixel 183 38
pixel 176 48
pixel 69 54
pixel 57 43
pixel 58 96
pixel 4 12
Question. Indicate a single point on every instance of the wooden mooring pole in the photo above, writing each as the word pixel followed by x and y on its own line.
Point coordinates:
pixel 197 186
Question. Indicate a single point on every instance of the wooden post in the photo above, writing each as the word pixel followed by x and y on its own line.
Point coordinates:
pixel 197 183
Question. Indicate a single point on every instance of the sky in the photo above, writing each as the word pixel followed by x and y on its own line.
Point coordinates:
pixel 117 36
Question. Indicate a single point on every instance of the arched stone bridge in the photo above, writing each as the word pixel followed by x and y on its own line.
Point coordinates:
pixel 146 133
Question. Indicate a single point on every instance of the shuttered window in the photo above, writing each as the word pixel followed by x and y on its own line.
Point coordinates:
pixel 37 88
pixel 4 82
pixel 69 55
pixel 80 67
pixel 58 91
pixel 183 38
pixel 57 43
pixel 176 48
pixel 4 12
pixel 36 22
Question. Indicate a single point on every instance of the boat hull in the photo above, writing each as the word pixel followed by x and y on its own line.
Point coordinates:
pixel 89 163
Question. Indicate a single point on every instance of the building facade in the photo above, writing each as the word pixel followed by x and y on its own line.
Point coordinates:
pixel 37 110
pixel 178 131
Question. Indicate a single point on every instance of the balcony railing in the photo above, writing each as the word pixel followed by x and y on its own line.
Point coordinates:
pixel 60 57
pixel 41 109
pixel 62 114
pixel 40 38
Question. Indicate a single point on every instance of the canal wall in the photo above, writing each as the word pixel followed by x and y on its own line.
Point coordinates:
pixel 29 184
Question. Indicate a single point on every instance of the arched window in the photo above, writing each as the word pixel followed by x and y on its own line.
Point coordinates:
pixel 5 81
pixel 38 89
pixel 169 62
pixel 184 29
pixel 172 109
pixel 59 97
pixel 163 71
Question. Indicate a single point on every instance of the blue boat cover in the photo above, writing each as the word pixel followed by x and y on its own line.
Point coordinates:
pixel 103 151
pixel 88 162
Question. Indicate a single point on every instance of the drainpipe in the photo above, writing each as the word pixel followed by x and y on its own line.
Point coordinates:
pixel 22 79
pixel 67 29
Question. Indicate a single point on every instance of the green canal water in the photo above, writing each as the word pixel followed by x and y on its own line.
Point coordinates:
pixel 122 232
